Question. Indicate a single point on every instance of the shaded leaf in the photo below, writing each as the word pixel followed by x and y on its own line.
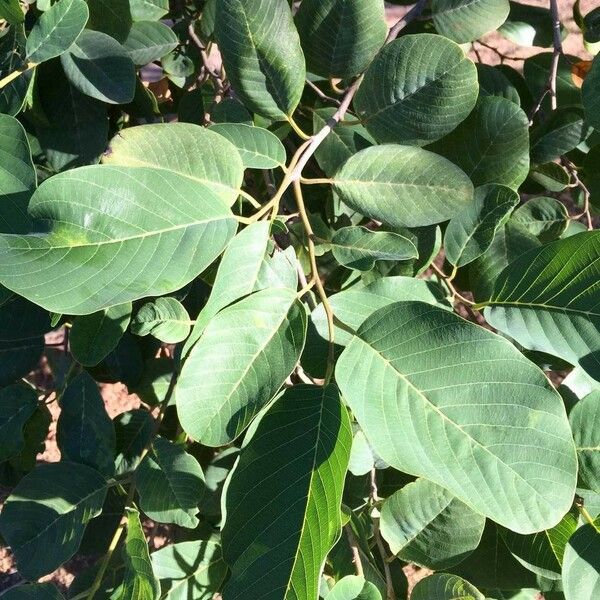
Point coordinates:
pixel 32 591
pixel 17 404
pixel 133 431
pixel 581 566
pixel 544 217
pixel 590 95
pixel 112 17
pixel 584 423
pixel 164 318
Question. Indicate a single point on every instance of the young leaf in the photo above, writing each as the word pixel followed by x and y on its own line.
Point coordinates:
pixel 546 300
pixel 108 223
pixel 93 337
pixel 262 335
pixel 418 89
pixel 584 423
pixel 466 20
pixel 258 147
pixel 353 587
pixel 164 318
pixel 359 248
pixel 44 518
pixel 443 586
pixel 82 410
pixel 546 218
pixel 403 186
pixel 341 37
pixel 189 569
pixel 149 41
pixel 439 377
pixel 280 540
pixel 98 66
pixel 262 55
pixel 590 95
pixel 191 151
pixel 471 232
pixel 581 566
pixel 56 29
pixel 139 581
pixel 170 484
pixel 492 144
pixel 425 524
pixel 17 404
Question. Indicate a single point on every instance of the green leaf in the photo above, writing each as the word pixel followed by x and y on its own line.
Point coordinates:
pixel 590 95
pixel 98 66
pixel 32 591
pixel 341 37
pixel 245 268
pixel 417 90
pixel 353 587
pixel 93 337
pixel 262 55
pixel 189 570
pixel 492 144
pixel 12 57
pixel 444 399
pixel 584 421
pixel 258 341
pixel 258 147
pixel 280 540
pixel 56 29
pixel 467 20
pixel 343 141
pixel 170 484
pixel 592 174
pixel 164 318
pixel 403 186
pixel 139 581
pixel 561 132
pixel 112 17
pixel 82 410
pixel 551 176
pixel 149 41
pixel 443 586
pixel 107 225
pixel 546 300
pixel 133 431
pixel 44 518
pixel 189 150
pixel 359 248
pixel 471 232
pixel 544 217
pixel 528 25
pixel 425 524
pixel 17 404
pixel 581 566
pixel 11 12
pixel 148 10
pixel 536 71
pixel 493 82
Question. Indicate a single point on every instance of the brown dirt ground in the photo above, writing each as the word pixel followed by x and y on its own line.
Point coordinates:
pixel 116 397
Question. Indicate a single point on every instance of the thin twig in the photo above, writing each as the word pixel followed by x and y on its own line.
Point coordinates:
pixel 586 212
pixel 358 566
pixel 412 14
pixel 321 93
pixel 447 279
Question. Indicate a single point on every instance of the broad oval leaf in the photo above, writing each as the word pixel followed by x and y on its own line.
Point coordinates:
pixel 426 524
pixel 590 94
pixel 403 186
pixel 110 16
pixel 492 144
pixel 445 399
pixel 546 218
pixel 93 337
pixel 443 586
pixel 44 518
pixel 471 232
pixel 17 404
pixel 280 539
pixel 359 248
pixel 353 587
pixel 149 41
pixel 148 10
pixel 98 66
pixel 547 300
pixel 192 569
pixel 258 147
pixel 56 30
pixel 262 54
pixel 340 37
pixel 584 423
pixel 258 341
pixel 107 226
pixel 170 483
pixel 418 89
pixel 581 565
pixel 189 150
pixel 466 20
pixel 82 410
pixel 164 318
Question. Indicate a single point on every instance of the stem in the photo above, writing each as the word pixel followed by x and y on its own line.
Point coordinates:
pixel 297 129
pixel 355 551
pixel 250 198
pixel 412 14
pixel 12 76
pixel 558 50
pixel 447 279
pixel 317 181
pixel 322 94
pixel 317 280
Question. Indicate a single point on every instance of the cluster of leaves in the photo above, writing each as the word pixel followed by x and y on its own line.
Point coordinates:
pixel 339 339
